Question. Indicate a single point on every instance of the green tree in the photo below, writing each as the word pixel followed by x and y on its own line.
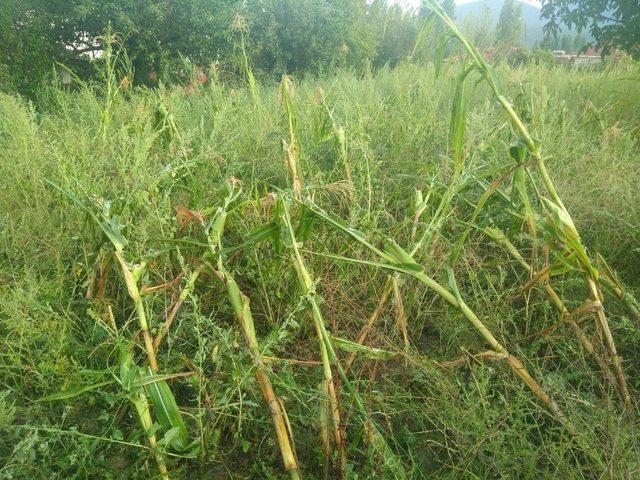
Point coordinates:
pixel 566 43
pixel 580 41
pixel 397 32
pixel 510 24
pixel 36 33
pixel 613 23
pixel 478 28
pixel 293 36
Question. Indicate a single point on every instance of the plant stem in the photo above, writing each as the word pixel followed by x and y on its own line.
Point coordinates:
pixel 134 293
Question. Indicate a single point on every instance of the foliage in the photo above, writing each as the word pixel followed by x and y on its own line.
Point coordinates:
pixel 195 179
pixel 536 57
pixel 284 36
pixel 613 23
pixel 509 27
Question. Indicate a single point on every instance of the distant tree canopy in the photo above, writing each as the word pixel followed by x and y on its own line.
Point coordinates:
pixel 509 27
pixel 35 33
pixel 281 36
pixel 613 23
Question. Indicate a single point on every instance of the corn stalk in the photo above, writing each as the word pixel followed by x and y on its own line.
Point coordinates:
pixel 291 147
pixel 395 259
pixel 284 434
pixel 328 355
pixel 328 385
pixel 240 303
pixel 132 276
pixel 555 206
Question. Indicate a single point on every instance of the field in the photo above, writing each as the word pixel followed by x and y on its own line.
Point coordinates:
pixel 352 276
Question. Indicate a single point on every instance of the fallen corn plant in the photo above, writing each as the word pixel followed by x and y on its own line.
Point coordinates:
pixel 393 258
pixel 145 386
pixel 396 259
pixel 240 302
pixel 561 226
pixel 333 430
pixel 281 425
pixel 328 354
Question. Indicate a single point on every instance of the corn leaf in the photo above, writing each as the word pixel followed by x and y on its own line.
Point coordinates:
pixel 366 351
pixel 167 411
pixel 74 392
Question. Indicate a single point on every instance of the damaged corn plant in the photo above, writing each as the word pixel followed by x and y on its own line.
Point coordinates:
pixel 403 275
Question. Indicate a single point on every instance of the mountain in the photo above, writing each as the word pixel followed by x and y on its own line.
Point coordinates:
pixel 469 13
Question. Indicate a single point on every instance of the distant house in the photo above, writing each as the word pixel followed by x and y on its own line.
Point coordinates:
pixel 589 57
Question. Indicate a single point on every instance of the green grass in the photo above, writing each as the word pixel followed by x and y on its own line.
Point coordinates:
pixel 363 146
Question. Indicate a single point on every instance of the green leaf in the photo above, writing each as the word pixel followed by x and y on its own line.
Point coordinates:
pixel 517 151
pixel 167 411
pixel 399 256
pixel 109 225
pixel 369 352
pixel 458 121
pixel 74 392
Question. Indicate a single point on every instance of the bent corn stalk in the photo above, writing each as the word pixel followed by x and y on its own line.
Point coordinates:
pixel 373 434
pixel 328 385
pixel 555 206
pixel 400 261
pixel 242 310
pixel 131 278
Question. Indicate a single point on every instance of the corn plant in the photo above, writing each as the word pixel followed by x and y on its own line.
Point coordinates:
pixel 560 225
pixel 395 259
pixel 281 425
pixel 330 360
pixel 291 146
pixel 156 390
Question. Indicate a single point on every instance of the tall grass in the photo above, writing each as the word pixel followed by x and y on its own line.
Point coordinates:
pixel 170 266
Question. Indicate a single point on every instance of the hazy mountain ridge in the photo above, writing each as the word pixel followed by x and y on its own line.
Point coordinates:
pixel 533 32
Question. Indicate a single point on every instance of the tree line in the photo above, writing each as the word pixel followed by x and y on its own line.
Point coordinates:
pixel 304 37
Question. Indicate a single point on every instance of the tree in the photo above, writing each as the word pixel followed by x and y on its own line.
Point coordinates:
pixel 580 41
pixel 312 36
pixel 566 43
pixel 36 33
pixel 397 32
pixel 510 25
pixel 478 28
pixel 613 23
pixel 284 36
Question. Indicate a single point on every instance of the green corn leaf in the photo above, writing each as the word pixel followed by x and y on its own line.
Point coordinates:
pixel 167 411
pixel 458 120
pixel 562 229
pixel 108 225
pixel 265 232
pixel 74 392
pixel 149 379
pixel 440 51
pixel 499 237
pixel 399 256
pixel 426 27
pixel 337 223
pixel 517 151
pixel 305 224
pixel 366 351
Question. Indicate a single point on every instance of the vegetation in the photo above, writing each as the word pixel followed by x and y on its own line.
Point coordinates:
pixel 296 37
pixel 509 27
pixel 284 36
pixel 393 274
pixel 613 23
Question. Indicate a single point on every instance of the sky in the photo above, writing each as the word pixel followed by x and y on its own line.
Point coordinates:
pixel 415 3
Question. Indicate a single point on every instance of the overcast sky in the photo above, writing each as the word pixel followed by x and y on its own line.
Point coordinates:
pixel 415 3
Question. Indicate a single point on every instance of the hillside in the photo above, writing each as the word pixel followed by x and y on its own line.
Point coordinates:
pixel 533 24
